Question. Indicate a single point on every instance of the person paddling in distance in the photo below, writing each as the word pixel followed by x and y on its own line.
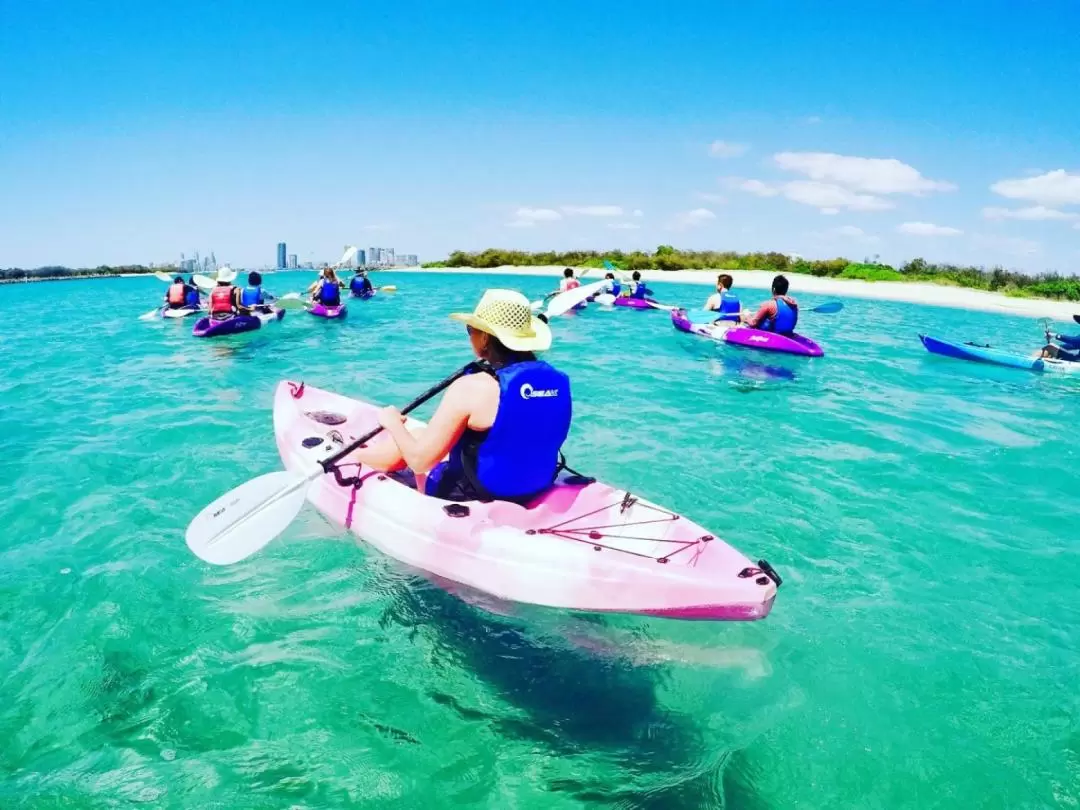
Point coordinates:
pixel 724 301
pixel 637 288
pixel 779 314
pixel 191 293
pixel 327 289
pixel 224 298
pixel 176 295
pixel 502 427
pixel 360 285
pixel 568 282
pixel 253 297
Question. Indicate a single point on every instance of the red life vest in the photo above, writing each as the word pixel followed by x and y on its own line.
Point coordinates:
pixel 176 294
pixel 221 300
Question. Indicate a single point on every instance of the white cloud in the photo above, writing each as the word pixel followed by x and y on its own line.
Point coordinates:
pixel 752 187
pixel 927 229
pixel 528 217
pixel 873 175
pixel 1034 213
pixel 1053 188
pixel 691 219
pixel 849 230
pixel 593 210
pixel 829 198
pixel 638 212
pixel 623 226
pixel 706 196
pixel 726 149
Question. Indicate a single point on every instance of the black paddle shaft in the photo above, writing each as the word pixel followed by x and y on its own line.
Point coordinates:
pixel 330 463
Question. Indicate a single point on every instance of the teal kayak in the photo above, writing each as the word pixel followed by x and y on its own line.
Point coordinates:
pixel 995 357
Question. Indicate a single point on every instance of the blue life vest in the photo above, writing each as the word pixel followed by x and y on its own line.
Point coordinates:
pixel 518 456
pixel 251 296
pixel 329 294
pixel 615 287
pixel 360 287
pixel 191 298
pixel 786 318
pixel 729 306
pixel 640 290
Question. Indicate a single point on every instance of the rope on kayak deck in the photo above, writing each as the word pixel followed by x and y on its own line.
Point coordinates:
pixel 593 534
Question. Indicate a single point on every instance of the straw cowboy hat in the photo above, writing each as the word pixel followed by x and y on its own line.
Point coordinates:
pixel 226 274
pixel 506 315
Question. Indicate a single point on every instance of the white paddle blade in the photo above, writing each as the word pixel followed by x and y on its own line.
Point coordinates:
pixel 346 257
pixel 204 282
pixel 149 316
pixel 178 313
pixel 247 518
pixel 388 288
pixel 160 276
pixel 564 302
pixel 291 301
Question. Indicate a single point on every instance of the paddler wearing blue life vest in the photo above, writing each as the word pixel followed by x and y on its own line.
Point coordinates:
pixel 780 314
pixel 637 287
pixel 191 296
pixel 327 289
pixel 253 297
pixel 724 302
pixel 503 427
pixel 612 286
pixel 360 285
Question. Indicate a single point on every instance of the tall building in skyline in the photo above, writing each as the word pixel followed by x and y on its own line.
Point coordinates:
pixel 373 257
pixel 281 257
pixel 361 258
pixel 291 263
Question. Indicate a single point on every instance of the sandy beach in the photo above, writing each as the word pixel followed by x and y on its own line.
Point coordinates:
pixel 935 295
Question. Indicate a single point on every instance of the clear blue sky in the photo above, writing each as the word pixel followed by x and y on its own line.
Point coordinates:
pixel 130 132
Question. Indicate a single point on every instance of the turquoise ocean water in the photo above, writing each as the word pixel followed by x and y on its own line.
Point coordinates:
pixel 922 653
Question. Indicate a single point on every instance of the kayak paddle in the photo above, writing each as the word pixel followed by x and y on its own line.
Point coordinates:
pixel 566 301
pixel 828 308
pixel 149 316
pixel 388 288
pixel 162 276
pixel 292 301
pixel 1076 318
pixel 247 518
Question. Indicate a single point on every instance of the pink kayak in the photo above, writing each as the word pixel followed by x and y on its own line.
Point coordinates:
pixel 321 311
pixel 580 546
pixel 745 336
pixel 632 303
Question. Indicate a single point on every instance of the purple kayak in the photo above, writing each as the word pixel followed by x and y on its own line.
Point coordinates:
pixel 746 337
pixel 321 311
pixel 209 327
pixel 633 303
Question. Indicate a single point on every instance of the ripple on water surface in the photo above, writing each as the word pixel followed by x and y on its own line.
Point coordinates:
pixel 922 652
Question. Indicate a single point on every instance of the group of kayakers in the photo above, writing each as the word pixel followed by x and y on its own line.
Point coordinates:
pixel 779 314
pixel 326 289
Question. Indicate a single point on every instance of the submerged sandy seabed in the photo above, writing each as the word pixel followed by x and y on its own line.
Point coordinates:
pixel 935 295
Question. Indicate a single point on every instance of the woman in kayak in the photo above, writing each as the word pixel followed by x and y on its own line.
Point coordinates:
pixel 779 314
pixel 253 297
pixel 223 298
pixel 327 289
pixel 360 285
pixel 724 301
pixel 176 295
pixel 613 286
pixel 503 427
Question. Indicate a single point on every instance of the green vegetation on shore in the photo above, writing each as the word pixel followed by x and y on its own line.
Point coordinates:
pixel 665 257
pixel 56 273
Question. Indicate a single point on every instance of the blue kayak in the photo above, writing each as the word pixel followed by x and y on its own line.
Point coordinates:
pixel 1069 341
pixel 995 357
